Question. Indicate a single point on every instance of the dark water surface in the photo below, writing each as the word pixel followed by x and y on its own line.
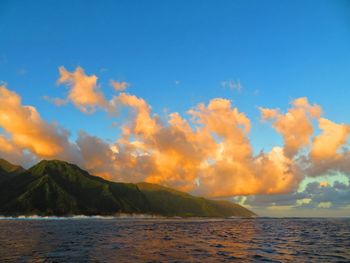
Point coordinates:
pixel 171 240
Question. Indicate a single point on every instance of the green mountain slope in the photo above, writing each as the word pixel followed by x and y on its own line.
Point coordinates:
pixel 170 202
pixel 60 188
pixel 7 170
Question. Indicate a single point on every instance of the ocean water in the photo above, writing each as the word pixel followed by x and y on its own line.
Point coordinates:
pixel 174 240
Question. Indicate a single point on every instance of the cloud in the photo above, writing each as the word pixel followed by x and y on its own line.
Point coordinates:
pixel 326 152
pixel 324 184
pixel 29 131
pixel 143 123
pixel 329 151
pixel 211 156
pixel 96 154
pixel 21 71
pixel 333 137
pixel 119 86
pixel 231 84
pixel 267 174
pixel 314 196
pixel 83 91
pixel 295 126
pixel 206 151
pixel 11 152
pixel 56 101
pixel 267 114
pixel 209 153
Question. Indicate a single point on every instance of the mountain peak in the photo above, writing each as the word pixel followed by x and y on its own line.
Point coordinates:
pixel 7 167
pixel 55 166
pixel 54 163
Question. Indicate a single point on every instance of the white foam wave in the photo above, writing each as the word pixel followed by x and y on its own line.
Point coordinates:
pixel 78 217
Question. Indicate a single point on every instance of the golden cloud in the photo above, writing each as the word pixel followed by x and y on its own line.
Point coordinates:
pixel 119 86
pixel 332 138
pixel 27 128
pixel 207 152
pixel 83 89
pixel 295 126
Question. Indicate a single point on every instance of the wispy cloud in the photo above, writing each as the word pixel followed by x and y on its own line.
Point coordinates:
pixel 119 86
pixel 21 71
pixel 56 101
pixel 232 84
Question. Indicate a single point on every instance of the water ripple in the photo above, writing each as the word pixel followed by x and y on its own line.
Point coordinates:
pixel 175 240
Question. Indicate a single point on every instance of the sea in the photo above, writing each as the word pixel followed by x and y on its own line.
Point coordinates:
pixel 110 239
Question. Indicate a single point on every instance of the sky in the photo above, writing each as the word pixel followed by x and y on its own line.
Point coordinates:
pixel 242 100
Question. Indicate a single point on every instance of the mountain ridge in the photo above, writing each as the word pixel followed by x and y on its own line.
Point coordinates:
pixel 8 169
pixel 54 187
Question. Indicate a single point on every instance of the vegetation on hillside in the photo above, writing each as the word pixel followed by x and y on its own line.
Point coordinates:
pixel 59 188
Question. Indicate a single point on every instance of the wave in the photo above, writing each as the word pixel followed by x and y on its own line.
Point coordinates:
pixel 79 217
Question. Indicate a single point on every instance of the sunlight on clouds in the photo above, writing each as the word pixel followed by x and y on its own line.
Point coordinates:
pixel 56 101
pixel 295 126
pixel 83 89
pixel 324 205
pixel 332 138
pixel 143 123
pixel 324 180
pixel 119 86
pixel 27 129
pixel 324 184
pixel 303 201
pixel 206 152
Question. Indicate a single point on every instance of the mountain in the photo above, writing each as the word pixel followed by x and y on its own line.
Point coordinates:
pixel 170 202
pixel 60 188
pixel 7 170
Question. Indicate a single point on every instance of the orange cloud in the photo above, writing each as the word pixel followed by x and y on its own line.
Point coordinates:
pixel 207 152
pixel 27 128
pixel 270 173
pixel 143 123
pixel 324 184
pixel 332 138
pixel 119 86
pixel 267 114
pixel 29 137
pixel 228 124
pixel 56 101
pixel 83 89
pixel 213 156
pixel 295 126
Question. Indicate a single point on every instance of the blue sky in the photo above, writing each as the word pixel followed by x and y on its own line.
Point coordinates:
pixel 277 49
pixel 176 54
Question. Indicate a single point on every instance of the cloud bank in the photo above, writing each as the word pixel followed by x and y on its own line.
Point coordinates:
pixel 207 151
